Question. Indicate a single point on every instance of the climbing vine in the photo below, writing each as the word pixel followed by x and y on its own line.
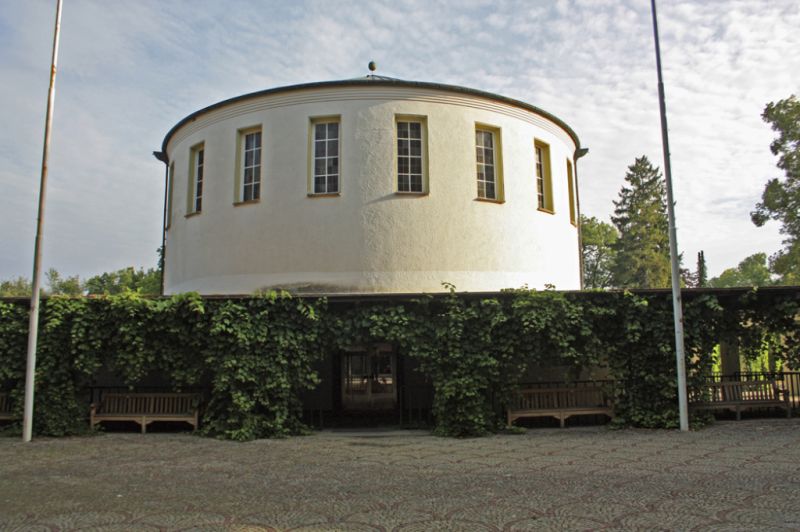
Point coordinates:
pixel 255 356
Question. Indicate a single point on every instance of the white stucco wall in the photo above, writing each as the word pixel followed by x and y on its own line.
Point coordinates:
pixel 368 238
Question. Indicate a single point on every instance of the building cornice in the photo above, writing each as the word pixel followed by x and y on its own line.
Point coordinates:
pixel 372 81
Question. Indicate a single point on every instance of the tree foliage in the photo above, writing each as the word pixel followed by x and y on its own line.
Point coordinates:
pixel 640 216
pixel 19 287
pixel 697 278
pixel 780 200
pixel 147 282
pixel 701 275
pixel 254 356
pixel 141 280
pixel 752 271
pixel 262 349
pixel 599 252
pixel 69 286
pixel 56 285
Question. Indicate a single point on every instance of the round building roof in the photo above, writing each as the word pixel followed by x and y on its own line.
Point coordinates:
pixel 372 80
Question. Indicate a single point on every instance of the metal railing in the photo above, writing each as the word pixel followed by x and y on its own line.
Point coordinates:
pixel 415 405
pixel 786 380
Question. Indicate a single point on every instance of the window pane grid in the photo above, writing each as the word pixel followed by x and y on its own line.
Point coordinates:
pixel 571 189
pixel 326 158
pixel 198 173
pixel 251 174
pixel 409 156
pixel 540 177
pixel 485 164
pixel 170 185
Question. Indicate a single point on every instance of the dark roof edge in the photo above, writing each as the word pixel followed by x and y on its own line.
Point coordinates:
pixel 396 296
pixel 373 80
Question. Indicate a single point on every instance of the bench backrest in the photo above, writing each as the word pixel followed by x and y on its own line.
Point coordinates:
pixel 558 398
pixel 149 403
pixel 727 391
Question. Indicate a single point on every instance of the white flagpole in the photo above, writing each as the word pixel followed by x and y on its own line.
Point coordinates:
pixel 33 324
pixel 677 305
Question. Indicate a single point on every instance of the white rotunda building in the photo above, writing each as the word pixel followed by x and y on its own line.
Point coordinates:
pixel 370 185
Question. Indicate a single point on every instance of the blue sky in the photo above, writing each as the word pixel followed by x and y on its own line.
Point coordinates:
pixel 128 71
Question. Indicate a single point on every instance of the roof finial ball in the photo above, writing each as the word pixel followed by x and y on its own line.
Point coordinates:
pixel 372 66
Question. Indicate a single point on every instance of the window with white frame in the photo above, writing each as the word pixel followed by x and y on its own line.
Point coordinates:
pixel 485 156
pixel 571 189
pixel 325 162
pixel 410 156
pixel 170 185
pixel 251 165
pixel 196 172
pixel 544 187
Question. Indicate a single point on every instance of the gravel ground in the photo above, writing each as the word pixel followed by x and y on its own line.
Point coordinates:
pixel 731 476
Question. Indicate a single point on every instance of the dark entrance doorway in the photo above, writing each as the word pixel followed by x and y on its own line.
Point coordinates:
pixel 369 379
pixel 368 385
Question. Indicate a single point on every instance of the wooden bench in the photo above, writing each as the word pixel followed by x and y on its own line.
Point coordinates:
pixel 145 408
pixel 6 413
pixel 560 403
pixel 738 395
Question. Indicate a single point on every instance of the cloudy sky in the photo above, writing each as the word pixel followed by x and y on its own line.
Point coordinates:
pixel 128 71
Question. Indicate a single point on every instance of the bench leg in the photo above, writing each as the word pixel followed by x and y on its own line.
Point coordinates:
pixel 738 413
pixel 144 425
pixel 562 419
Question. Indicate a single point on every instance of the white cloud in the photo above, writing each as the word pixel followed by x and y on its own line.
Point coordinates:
pixel 129 71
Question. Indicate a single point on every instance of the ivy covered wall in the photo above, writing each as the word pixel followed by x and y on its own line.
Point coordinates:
pixel 257 355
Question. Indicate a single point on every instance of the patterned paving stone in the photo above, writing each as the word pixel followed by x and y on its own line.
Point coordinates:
pixel 663 521
pixel 731 476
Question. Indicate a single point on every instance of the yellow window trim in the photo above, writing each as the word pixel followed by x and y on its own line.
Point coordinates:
pixel 422 119
pixel 190 191
pixel 573 219
pixel 490 200
pixel 248 202
pixel 313 121
pixel 238 192
pixel 170 186
pixel 547 177
pixel 500 196
pixel 411 192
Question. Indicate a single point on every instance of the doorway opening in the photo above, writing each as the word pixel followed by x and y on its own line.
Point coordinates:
pixel 369 379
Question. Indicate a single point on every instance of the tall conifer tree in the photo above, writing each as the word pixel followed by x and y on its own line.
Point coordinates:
pixel 640 216
pixel 702 273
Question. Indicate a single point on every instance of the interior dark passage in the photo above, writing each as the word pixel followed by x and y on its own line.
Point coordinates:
pixel 368 386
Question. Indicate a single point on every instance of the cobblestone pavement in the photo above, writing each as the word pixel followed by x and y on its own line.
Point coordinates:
pixel 732 476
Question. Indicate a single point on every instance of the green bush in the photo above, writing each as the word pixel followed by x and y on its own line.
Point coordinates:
pixel 255 355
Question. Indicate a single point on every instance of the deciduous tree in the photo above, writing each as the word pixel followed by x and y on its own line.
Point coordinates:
pixel 598 239
pixel 752 271
pixel 71 286
pixel 19 287
pixel 781 198
pixel 145 281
